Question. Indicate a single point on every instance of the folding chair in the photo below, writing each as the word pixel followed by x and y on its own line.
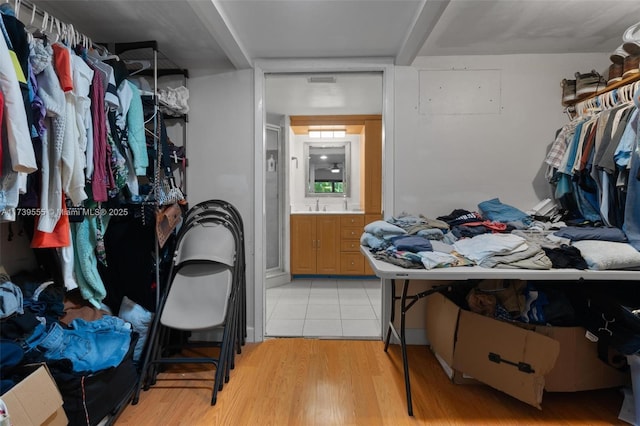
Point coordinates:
pixel 212 207
pixel 202 293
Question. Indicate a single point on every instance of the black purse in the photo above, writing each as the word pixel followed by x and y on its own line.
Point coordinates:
pixel 610 311
pixel 166 190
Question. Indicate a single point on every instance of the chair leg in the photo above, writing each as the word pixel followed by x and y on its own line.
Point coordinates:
pixel 154 368
pixel 230 365
pixel 149 354
pixel 218 381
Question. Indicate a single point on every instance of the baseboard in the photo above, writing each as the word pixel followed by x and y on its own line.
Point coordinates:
pixel 335 277
pixel 213 335
pixel 277 279
pixel 413 336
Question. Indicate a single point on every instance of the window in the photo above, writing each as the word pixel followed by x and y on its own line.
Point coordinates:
pixel 329 187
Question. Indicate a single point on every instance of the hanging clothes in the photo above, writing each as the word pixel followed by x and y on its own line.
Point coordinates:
pixel 589 163
pixel 631 226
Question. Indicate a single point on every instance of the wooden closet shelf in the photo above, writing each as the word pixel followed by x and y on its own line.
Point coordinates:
pixel 627 80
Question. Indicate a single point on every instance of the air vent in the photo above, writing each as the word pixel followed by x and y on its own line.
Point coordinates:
pixel 321 79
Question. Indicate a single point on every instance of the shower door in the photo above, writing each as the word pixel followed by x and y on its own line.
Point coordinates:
pixel 274 196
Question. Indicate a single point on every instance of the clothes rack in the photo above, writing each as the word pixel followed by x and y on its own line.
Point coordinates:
pixel 51 25
pixel 610 97
pixel 40 25
pixel 161 68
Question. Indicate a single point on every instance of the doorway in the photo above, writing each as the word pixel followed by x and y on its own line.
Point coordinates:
pixel 308 66
pixel 335 307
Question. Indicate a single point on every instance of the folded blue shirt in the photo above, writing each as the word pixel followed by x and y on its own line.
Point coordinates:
pixel 602 233
pixel 412 243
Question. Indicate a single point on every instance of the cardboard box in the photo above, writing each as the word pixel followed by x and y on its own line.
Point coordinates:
pixel 508 358
pixel 578 367
pixel 442 323
pixel 518 361
pixel 36 400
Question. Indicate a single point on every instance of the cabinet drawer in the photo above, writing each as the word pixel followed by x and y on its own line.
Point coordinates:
pixel 352 220
pixel 351 264
pixel 350 245
pixel 351 233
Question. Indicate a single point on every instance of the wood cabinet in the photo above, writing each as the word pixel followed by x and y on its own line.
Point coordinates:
pixel 368 218
pixel 327 244
pixel 311 240
pixel 315 244
pixel 351 260
pixel 372 166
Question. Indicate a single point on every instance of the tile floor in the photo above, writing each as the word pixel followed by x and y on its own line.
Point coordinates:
pixel 325 308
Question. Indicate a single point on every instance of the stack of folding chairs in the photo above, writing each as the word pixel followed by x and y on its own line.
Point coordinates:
pixel 206 291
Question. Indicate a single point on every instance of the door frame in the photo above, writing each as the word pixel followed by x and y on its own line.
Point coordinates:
pixel 261 67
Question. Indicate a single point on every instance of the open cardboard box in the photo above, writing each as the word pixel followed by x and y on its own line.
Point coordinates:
pixel 518 361
pixel 35 400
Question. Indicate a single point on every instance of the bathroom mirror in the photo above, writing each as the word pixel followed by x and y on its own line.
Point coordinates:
pixel 327 169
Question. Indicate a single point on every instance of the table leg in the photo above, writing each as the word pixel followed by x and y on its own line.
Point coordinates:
pixel 393 314
pixel 403 345
pixel 406 302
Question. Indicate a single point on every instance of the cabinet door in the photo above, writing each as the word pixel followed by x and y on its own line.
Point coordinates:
pixel 328 248
pixel 352 264
pixel 373 166
pixel 303 244
pixel 368 218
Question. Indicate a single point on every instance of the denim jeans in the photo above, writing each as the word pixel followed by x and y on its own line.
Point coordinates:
pixel 631 225
pixel 89 345
pixel 495 210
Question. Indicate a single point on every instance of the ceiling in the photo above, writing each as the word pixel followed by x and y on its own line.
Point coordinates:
pixel 223 35
pixel 216 36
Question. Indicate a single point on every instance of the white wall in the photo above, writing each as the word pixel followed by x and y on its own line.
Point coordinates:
pixel 458 159
pixel 448 161
pixel 220 151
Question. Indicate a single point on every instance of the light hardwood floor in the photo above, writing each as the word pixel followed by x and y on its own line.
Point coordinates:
pixel 342 382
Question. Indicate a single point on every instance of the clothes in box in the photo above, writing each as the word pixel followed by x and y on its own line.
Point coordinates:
pixel 35 400
pixel 518 361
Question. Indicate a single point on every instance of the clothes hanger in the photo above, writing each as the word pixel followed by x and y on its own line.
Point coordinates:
pixel 29 28
pixel 55 32
pixel 43 31
pixel 567 110
pixel 144 65
pixel 104 57
pixel 603 100
pixel 100 53
pixel 609 100
pixel 623 94
pixel 151 118
pixel 593 105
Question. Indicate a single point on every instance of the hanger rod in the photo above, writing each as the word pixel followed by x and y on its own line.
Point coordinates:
pixel 27 10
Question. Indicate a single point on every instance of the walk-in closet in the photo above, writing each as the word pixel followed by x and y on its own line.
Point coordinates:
pixel 319 213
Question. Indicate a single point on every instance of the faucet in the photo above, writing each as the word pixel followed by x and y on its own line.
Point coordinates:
pixel 317 204
pixel 345 202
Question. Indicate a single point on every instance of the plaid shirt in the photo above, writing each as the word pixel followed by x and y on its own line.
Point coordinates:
pixel 559 146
